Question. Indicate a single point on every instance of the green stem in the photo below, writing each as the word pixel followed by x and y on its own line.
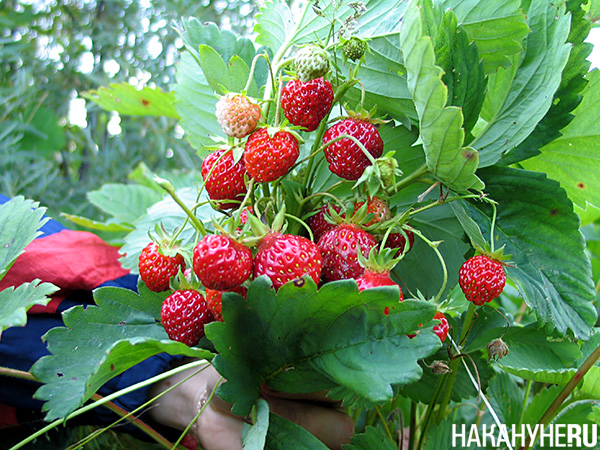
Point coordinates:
pixel 455 362
pixel 492 227
pixel 13 373
pixel 525 398
pixel 384 422
pixel 108 398
pixel 409 179
pixel 566 391
pixel 171 191
pixel 429 412
pixel 434 246
pixel 413 425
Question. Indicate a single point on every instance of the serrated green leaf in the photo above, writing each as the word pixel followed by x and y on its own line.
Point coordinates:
pixel 520 107
pixel 506 398
pixel 441 129
pixel 125 202
pixel 195 102
pixel 574 158
pixel 313 340
pixel 14 303
pixel 99 342
pixel 20 220
pixel 537 224
pixel 128 100
pixel 274 24
pixel 498 29
pixel 463 69
pixel 567 97
pixel 372 438
pixel 169 214
pixel 232 75
pixel 284 435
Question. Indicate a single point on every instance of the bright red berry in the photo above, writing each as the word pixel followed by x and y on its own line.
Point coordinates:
pixel 306 104
pixel 184 314
pixel 371 278
pixel 397 240
pixel 317 222
pixel 378 207
pixel 156 269
pixel 442 328
pixel 237 115
pixel 269 158
pixel 287 257
pixel 221 263
pixel 339 248
pixel 224 178
pixel 482 279
pixel 345 158
pixel 214 298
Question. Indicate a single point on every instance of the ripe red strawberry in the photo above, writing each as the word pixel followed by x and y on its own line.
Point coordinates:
pixel 339 248
pixel 397 240
pixel 184 314
pixel 378 207
pixel 224 178
pixel 269 158
pixel 317 223
pixel 287 257
pixel 442 328
pixel 237 115
pixel 156 269
pixel 306 104
pixel 482 279
pixel 345 158
pixel 214 297
pixel 372 278
pixel 221 263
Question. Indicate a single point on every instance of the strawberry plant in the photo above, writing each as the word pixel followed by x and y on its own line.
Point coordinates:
pixel 436 134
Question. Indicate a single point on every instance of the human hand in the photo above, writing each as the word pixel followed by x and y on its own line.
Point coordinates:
pixel 218 429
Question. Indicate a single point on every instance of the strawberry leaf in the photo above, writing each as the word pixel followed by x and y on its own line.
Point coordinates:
pixel 370 439
pixel 282 433
pixel 441 126
pixel 312 340
pixel 20 221
pixel 16 302
pixel 541 232
pixel 99 342
pixel 519 97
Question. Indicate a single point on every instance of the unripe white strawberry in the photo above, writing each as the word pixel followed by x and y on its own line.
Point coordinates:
pixel 237 115
pixel 311 62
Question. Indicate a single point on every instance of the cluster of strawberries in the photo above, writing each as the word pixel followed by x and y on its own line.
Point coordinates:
pixel 359 241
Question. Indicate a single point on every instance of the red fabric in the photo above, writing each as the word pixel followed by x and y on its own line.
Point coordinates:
pixel 71 260
pixel 8 416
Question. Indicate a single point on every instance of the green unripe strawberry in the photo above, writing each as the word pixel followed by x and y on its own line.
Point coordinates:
pixel 311 62
pixel 354 48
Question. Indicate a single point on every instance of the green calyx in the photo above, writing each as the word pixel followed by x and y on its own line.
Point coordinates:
pixel 380 261
pixel 496 255
pixel 168 244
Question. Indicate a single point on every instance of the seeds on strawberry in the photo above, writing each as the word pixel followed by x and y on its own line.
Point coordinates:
pixel 346 159
pixel 156 269
pixel 376 206
pixel 311 62
pixel 306 104
pixel 287 257
pixel 269 158
pixel 442 328
pixel 317 222
pixel 224 178
pixel 339 249
pixel 214 299
pixel 397 240
pixel 184 314
pixel 221 263
pixel 482 279
pixel 237 115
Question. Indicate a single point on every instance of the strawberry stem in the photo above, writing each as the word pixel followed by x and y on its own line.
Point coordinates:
pixel 434 246
pixel 171 191
pixel 492 227
pixel 301 222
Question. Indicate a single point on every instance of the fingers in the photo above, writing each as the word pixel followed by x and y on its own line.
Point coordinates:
pixel 218 430
pixel 329 425
pixel 320 396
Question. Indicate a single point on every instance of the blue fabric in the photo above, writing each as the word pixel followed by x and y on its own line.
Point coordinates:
pixel 21 347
